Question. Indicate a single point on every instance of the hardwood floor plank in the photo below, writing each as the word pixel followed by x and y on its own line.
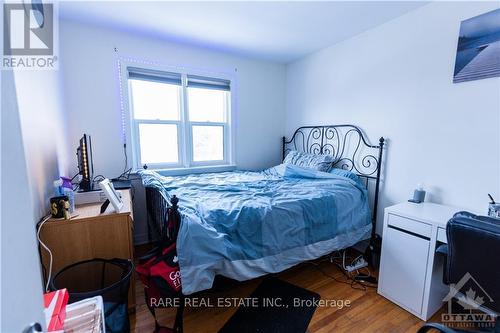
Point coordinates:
pixel 368 311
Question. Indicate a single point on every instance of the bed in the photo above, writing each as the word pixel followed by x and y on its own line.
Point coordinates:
pixel 245 224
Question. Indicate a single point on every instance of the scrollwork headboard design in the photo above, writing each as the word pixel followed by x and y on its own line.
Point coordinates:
pixel 348 146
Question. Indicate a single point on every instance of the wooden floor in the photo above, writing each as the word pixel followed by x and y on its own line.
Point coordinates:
pixel 368 312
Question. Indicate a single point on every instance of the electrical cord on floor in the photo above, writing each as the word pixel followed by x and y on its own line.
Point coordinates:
pixel 367 280
pixel 40 225
pixel 318 267
pixel 357 281
pixel 364 280
pixel 352 281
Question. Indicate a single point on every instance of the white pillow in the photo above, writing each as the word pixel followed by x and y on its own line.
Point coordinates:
pixel 312 161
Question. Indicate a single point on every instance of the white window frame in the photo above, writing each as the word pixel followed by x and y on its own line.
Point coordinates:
pixel 186 163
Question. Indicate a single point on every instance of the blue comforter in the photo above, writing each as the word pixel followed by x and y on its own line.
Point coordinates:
pixel 246 224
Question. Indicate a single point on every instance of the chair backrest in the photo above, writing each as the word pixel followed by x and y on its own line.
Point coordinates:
pixel 474 256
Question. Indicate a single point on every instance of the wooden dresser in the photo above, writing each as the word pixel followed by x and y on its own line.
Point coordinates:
pixel 89 234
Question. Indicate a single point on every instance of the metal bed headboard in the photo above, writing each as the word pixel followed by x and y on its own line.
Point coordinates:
pixel 348 146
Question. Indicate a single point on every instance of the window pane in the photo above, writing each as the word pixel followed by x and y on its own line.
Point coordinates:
pixel 207 104
pixel 208 143
pixel 154 100
pixel 158 143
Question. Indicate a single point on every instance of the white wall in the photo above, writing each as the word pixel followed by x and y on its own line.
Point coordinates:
pixel 89 64
pixel 21 286
pixel 396 81
pixel 34 154
pixel 92 92
pixel 44 130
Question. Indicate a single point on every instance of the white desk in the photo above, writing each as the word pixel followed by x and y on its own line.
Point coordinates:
pixel 410 273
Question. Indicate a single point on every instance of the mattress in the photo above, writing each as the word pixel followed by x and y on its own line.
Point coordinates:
pixel 246 224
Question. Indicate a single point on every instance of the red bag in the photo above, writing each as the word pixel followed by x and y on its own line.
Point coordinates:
pixel 162 266
pixel 159 272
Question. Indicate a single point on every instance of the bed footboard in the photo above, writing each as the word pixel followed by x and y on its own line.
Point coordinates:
pixel 163 215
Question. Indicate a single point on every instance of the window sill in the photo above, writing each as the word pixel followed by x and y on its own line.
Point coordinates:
pixel 194 170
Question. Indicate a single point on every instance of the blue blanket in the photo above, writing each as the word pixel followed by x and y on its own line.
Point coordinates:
pixel 247 224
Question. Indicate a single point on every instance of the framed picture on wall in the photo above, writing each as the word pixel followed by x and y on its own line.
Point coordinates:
pixel 478 50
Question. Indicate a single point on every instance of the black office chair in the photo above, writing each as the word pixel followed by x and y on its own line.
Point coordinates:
pixel 472 263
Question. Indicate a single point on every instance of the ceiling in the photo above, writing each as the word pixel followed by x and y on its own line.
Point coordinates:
pixel 276 31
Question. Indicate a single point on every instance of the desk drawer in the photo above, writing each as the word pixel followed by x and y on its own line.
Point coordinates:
pixel 441 236
pixel 410 225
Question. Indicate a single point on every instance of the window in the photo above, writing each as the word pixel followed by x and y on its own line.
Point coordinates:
pixel 179 120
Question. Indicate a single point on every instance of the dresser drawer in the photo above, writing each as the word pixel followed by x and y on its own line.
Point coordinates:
pixel 410 225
